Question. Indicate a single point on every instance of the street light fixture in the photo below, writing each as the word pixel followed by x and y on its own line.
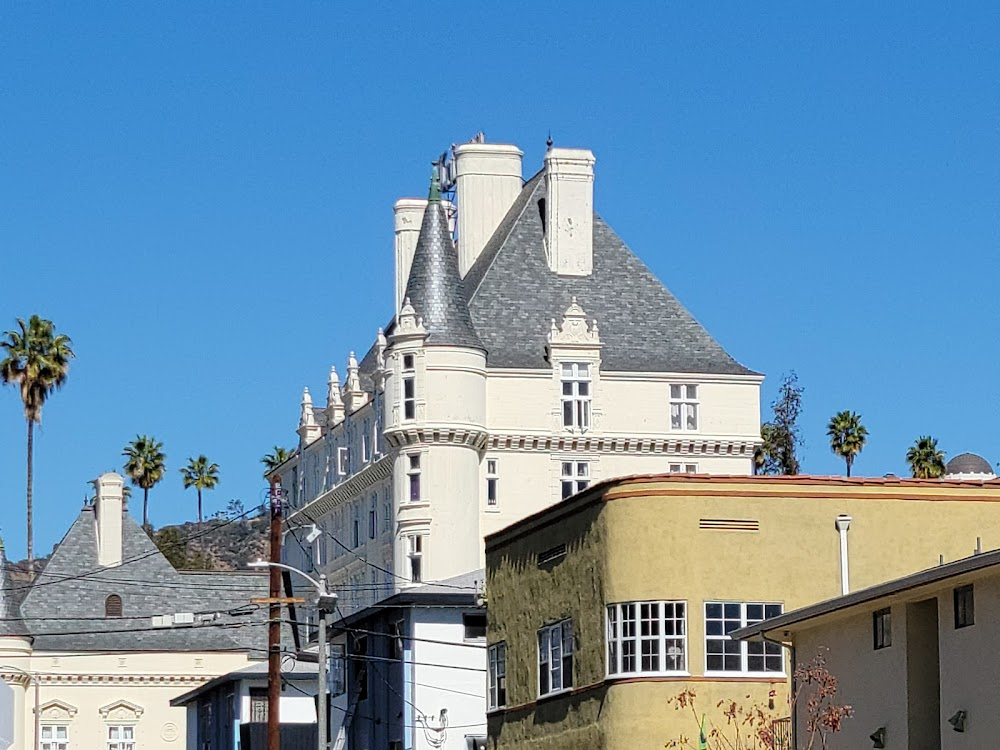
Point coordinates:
pixel 326 602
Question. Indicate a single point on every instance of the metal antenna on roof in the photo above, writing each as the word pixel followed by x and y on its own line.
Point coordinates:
pixel 979 546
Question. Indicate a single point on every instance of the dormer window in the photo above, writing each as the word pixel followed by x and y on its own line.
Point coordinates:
pixel 576 395
pixel 113 606
pixel 409 388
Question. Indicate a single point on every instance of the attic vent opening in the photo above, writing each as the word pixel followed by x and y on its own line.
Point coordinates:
pixel 551 555
pixel 729 524
pixel 113 606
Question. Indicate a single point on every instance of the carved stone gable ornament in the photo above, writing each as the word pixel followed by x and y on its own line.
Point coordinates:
pixel 121 711
pixel 56 710
pixel 574 330
pixel 407 322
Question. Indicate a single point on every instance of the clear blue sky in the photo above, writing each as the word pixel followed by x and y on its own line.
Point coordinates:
pixel 200 195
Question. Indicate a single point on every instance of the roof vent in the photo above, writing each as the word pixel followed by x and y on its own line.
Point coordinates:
pixel 729 524
pixel 551 555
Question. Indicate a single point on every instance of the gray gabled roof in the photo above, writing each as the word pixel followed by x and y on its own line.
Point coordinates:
pixel 63 609
pixel 435 288
pixel 513 296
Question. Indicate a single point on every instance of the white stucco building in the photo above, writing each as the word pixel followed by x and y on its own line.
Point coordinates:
pixel 529 353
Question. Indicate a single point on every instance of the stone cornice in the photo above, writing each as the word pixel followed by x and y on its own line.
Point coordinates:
pixel 451 434
pixel 681 445
pixel 112 679
pixel 323 504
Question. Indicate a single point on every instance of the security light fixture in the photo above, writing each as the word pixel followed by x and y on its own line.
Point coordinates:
pixel 958 721
pixel 313 534
pixel 878 737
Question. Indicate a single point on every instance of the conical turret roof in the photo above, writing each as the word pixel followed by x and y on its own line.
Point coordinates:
pixel 435 287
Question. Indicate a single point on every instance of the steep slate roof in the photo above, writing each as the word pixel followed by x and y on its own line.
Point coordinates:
pixel 74 586
pixel 434 286
pixel 513 296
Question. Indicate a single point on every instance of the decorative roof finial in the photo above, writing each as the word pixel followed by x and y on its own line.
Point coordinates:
pixel 435 194
pixel 548 143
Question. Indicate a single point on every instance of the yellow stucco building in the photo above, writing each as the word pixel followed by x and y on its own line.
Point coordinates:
pixel 605 606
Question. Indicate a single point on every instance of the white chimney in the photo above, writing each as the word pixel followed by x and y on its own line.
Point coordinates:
pixel 108 508
pixel 488 181
pixel 409 213
pixel 569 211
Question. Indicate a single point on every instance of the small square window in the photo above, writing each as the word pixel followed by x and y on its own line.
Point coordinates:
pixel 965 610
pixel 882 628
pixel 475 626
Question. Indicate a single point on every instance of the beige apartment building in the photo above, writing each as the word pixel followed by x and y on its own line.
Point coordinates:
pixel 915 658
pixel 606 605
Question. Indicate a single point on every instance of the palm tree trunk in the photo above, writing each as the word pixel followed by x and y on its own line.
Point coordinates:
pixel 199 510
pixel 848 462
pixel 145 509
pixel 31 527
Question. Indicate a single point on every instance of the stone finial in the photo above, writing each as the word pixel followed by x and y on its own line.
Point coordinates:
pixel 309 429
pixel 380 350
pixel 355 396
pixel 407 322
pixel 574 329
pixel 334 402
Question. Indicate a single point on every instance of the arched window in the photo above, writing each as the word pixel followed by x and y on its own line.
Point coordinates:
pixel 113 606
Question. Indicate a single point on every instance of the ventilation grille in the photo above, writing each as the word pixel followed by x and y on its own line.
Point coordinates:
pixel 551 555
pixel 729 524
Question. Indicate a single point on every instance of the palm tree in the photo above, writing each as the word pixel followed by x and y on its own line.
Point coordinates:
pixel 275 458
pixel 145 465
pixel 924 458
pixel 847 436
pixel 201 475
pixel 37 362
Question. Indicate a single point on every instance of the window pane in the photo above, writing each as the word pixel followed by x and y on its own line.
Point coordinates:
pixel 567 489
pixel 584 370
pixel 755 613
pixel 583 469
pixel 675 416
pixel 408 388
pixel 732 610
pixel 692 392
pixel 772 610
pixel 691 416
pixel 675 391
pixel 567 370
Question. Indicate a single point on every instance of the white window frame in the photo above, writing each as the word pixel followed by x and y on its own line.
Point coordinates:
pixel 415 555
pixel 366 449
pixel 746 648
pixel 492 484
pixel 622 638
pixel 683 468
pixel 496 694
pixel 549 654
pixel 343 460
pixel 53 741
pixel 386 515
pixel 576 480
pixel 408 403
pixel 684 396
pixel 413 471
pixel 337 676
pixel 576 395
pixel 121 742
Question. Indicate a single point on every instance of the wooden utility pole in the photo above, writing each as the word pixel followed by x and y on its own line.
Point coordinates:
pixel 274 623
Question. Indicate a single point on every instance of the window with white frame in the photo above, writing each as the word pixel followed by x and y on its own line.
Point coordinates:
pixel 409 387
pixel 683 468
pixel 121 737
pixel 492 483
pixel 497 694
pixel 337 676
pixel 555 658
pixel 576 395
pixel 415 553
pixel 574 477
pixel 413 477
pixel 54 737
pixel 683 407
pixel 322 548
pixel 647 638
pixel 343 460
pixel 386 514
pixel 365 444
pixel 724 655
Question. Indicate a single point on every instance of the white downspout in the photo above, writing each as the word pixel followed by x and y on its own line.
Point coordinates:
pixel 843 524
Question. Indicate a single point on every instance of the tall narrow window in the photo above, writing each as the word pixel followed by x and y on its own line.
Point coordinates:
pixel 965 610
pixel 492 483
pixel 121 737
pixel 365 445
pixel 416 555
pixel 684 407
pixel 413 476
pixel 386 516
pixel 355 532
pixel 555 658
pixel 409 388
pixel 372 521
pixel 54 737
pixel 575 477
pixel 113 606
pixel 343 460
pixel 576 395
pixel 882 629
pixel 497 676
pixel 338 667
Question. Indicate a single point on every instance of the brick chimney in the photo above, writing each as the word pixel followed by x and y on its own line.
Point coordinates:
pixel 109 505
